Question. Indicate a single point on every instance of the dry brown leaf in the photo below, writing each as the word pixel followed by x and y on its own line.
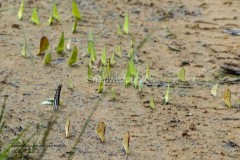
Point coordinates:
pixel 100 130
pixel 126 140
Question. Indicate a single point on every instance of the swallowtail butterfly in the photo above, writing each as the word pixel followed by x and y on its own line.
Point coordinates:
pixel 57 97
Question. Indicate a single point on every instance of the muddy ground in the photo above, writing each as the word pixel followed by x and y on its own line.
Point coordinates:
pixel 194 125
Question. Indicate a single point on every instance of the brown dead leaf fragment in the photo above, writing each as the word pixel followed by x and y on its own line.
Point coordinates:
pixel 126 140
pixel 100 130
pixel 44 44
pixel 67 128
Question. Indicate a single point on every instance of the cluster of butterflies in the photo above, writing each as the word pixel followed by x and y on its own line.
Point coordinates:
pixel 100 129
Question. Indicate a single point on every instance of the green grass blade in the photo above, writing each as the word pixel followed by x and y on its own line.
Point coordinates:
pixel 2 125
pixel 126 26
pixel 3 108
pixel 74 27
pixel 5 153
pixel 34 17
pixel 51 122
pixel 21 9
pixel 75 10
pixel 78 140
pixel 181 74
pixel 55 13
pixel 60 47
pixel 73 57
pixel 47 58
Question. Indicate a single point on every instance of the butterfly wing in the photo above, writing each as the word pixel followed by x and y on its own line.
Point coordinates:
pixel 57 97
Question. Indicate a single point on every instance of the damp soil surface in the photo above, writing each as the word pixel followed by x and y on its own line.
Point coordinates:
pixel 167 35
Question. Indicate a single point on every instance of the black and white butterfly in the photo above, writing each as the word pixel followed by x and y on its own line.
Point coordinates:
pixel 57 97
